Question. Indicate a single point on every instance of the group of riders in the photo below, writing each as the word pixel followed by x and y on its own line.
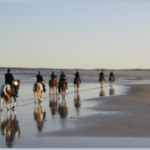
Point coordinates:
pixel 9 79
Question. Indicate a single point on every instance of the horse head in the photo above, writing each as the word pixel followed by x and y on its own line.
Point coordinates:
pixel 17 83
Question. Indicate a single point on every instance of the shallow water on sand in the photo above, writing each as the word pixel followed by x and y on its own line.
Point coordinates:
pixel 31 126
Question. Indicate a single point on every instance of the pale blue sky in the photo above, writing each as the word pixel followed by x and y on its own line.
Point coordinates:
pixel 75 35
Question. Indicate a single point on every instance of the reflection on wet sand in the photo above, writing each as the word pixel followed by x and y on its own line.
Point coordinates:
pixel 39 116
pixel 102 92
pixel 53 104
pixel 77 103
pixel 111 91
pixel 63 110
pixel 10 128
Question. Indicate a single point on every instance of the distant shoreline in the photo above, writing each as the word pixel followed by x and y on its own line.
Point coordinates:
pixel 138 69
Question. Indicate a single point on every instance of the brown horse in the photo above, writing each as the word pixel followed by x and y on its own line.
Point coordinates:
pixel 53 85
pixel 7 92
pixel 39 116
pixel 10 128
pixel 111 80
pixel 77 84
pixel 102 81
pixel 62 87
pixel 38 91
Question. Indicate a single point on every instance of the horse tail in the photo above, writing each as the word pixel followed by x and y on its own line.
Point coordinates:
pixel 4 93
pixel 38 91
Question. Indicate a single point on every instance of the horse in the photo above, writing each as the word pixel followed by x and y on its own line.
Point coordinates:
pixel 53 85
pixel 10 128
pixel 111 80
pixel 39 116
pixel 38 91
pixel 77 83
pixel 62 87
pixel 53 104
pixel 63 110
pixel 7 92
pixel 102 81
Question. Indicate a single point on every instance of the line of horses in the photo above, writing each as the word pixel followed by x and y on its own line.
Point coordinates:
pixel 7 92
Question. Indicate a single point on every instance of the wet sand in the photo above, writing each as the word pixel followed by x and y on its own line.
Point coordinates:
pixel 115 117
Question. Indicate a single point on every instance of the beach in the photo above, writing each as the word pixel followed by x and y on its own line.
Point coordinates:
pixel 108 117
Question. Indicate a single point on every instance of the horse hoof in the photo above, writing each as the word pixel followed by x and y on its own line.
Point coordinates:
pixel 13 108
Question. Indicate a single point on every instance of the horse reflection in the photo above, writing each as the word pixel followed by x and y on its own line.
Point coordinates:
pixel 63 110
pixel 39 116
pixel 77 103
pixel 111 91
pixel 53 104
pixel 102 92
pixel 10 128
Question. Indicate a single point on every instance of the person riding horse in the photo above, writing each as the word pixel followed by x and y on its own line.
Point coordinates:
pixel 77 75
pixel 53 75
pixel 101 75
pixel 40 79
pixel 9 80
pixel 63 78
pixel 112 75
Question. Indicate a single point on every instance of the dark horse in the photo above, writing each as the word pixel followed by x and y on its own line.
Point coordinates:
pixel 7 91
pixel 53 85
pixel 62 87
pixel 111 80
pixel 77 83
pixel 102 81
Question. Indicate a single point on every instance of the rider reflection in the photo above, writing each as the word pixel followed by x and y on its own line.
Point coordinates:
pixel 10 128
pixel 102 92
pixel 53 104
pixel 111 91
pixel 39 116
pixel 63 110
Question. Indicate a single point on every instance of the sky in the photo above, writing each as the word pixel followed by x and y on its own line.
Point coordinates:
pixel 85 35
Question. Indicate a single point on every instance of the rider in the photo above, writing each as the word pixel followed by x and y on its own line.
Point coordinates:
pixel 77 75
pixel 63 78
pixel 112 74
pixel 40 79
pixel 101 74
pixel 53 75
pixel 9 80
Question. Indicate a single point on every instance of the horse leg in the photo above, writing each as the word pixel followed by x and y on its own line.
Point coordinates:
pixel 1 117
pixel 35 97
pixel 1 104
pixel 8 106
pixel 14 103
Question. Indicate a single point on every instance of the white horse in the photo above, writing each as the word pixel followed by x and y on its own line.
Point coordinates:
pixel 38 91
